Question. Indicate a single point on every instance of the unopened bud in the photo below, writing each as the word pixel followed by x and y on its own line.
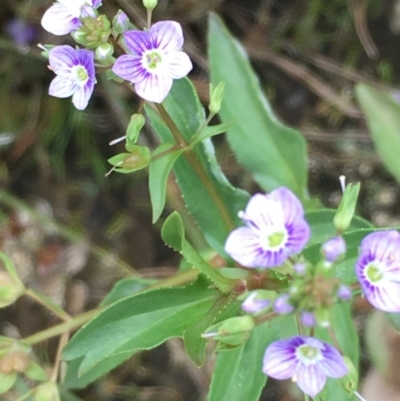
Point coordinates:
pixel 333 249
pixel 104 52
pixel 350 381
pixel 135 126
pixel 47 392
pixel 120 22
pixel 258 301
pixel 344 292
pixel 347 207
pixel 282 305
pixel 308 319
pixel 216 97
pixel 150 4
pixel 138 158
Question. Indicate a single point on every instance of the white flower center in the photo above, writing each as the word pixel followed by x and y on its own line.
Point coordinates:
pixel 79 75
pixel 152 60
pixel 308 354
pixel 273 238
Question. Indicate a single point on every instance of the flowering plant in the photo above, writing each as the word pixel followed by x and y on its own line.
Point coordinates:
pixel 279 304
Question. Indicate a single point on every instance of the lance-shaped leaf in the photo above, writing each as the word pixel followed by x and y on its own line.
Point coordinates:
pixel 139 322
pixel 209 197
pixel 383 117
pixel 173 234
pixel 273 152
pixel 158 175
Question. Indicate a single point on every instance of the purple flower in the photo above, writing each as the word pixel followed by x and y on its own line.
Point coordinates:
pixel 378 270
pixel 254 305
pixel 155 60
pixel 306 360
pixel 333 249
pixel 282 305
pixel 308 319
pixel 63 16
pixel 275 229
pixel 21 32
pixel 75 74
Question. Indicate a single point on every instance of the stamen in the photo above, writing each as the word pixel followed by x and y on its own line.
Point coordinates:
pixel 342 180
pixel 117 165
pixel 117 140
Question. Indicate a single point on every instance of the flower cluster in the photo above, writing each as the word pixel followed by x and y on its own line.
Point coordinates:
pixel 154 58
pixel 275 233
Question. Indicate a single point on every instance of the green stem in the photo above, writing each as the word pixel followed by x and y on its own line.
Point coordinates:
pixel 197 167
pixel 77 321
pixel 48 304
pixel 62 328
pixel 203 126
pixel 15 204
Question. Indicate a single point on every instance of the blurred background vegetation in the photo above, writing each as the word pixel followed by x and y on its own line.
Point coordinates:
pixel 72 232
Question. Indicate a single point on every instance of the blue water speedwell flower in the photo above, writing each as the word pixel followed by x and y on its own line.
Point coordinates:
pixel 378 270
pixel 155 60
pixel 306 360
pixel 275 229
pixel 333 249
pixel 63 16
pixel 75 74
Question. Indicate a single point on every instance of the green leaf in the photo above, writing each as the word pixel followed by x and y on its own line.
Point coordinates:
pixel 73 380
pixel 209 132
pixel 195 344
pixel 184 107
pixel 274 153
pixel 7 381
pixel 173 234
pixel 394 319
pixel 10 267
pixel 345 332
pixel 140 322
pixel 321 223
pixel 35 372
pixel 125 288
pixel 238 373
pixel 383 118
pixel 158 175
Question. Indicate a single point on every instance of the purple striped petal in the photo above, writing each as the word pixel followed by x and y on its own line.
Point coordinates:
pixel 137 42
pixel 280 361
pixel 59 20
pixel 332 364
pixel 62 86
pixel 154 88
pixel 166 36
pixel 82 95
pixel 130 68
pixel 63 58
pixel 177 65
pixel 311 379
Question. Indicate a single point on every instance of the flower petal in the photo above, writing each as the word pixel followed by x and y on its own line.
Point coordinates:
pixel 280 360
pixel 81 97
pixel 177 65
pixel 130 68
pixel 63 58
pixel 62 86
pixel 137 42
pixel 333 364
pixel 385 296
pixel 154 88
pixel 86 60
pixel 382 244
pixel 166 36
pixel 59 20
pixel 311 379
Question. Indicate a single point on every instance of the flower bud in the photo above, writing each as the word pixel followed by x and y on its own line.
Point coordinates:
pixel 347 207
pixel 120 22
pixel 344 292
pixel 350 381
pixel 138 158
pixel 150 4
pixel 135 126
pixel 300 268
pixel 333 249
pixel 47 392
pixel 10 290
pixel 216 97
pixel 258 301
pixel 308 319
pixel 104 52
pixel 282 305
